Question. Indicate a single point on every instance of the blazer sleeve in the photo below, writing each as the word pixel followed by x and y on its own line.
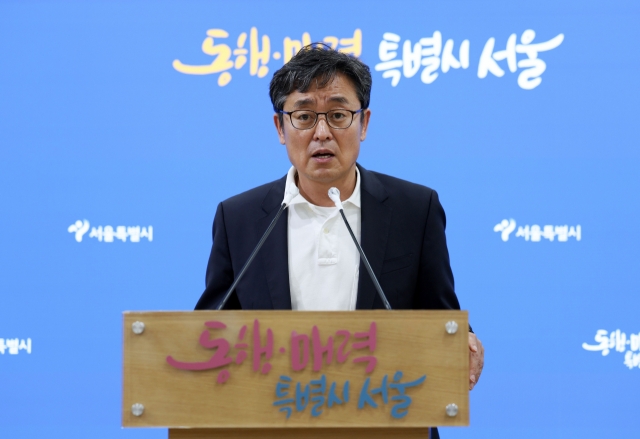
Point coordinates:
pixel 220 274
pixel 435 281
pixel 435 288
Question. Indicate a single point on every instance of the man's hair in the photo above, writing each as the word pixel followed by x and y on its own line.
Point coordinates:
pixel 318 64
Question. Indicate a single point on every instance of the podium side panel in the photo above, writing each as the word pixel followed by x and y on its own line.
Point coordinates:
pixel 160 369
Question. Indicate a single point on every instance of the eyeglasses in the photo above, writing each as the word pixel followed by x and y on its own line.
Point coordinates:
pixel 307 119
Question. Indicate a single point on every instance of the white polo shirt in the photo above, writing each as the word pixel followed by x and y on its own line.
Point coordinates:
pixel 323 260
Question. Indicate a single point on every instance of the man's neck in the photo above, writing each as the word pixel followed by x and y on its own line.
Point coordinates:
pixel 316 192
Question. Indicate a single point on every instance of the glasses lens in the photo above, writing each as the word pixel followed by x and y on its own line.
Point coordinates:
pixel 339 118
pixel 303 119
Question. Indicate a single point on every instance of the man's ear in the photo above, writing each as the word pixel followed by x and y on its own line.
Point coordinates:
pixel 279 127
pixel 364 124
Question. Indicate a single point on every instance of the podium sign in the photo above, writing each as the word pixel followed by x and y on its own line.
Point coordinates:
pixel 285 371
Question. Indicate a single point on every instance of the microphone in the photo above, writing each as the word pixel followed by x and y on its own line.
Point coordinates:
pixel 334 194
pixel 288 196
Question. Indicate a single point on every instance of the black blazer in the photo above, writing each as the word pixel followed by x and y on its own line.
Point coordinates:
pixel 402 234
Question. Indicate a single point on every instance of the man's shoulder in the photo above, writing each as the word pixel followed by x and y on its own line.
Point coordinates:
pixel 398 188
pixel 407 200
pixel 257 196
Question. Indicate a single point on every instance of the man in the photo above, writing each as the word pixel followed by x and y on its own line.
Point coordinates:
pixel 309 262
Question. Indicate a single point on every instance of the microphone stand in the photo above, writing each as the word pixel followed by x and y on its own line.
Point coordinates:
pixel 288 197
pixel 334 194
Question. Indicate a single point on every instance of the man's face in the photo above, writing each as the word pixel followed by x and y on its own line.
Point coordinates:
pixel 323 154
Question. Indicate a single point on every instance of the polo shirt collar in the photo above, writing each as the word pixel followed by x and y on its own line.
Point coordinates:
pixel 354 199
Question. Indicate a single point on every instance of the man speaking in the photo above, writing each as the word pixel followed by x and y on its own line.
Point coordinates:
pixel 309 262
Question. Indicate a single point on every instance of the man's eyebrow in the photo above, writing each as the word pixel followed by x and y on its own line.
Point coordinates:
pixel 339 99
pixel 308 101
pixel 302 102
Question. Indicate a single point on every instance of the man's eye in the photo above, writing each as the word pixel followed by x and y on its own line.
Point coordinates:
pixel 303 117
pixel 338 115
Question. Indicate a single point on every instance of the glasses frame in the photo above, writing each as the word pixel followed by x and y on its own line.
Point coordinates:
pixel 353 115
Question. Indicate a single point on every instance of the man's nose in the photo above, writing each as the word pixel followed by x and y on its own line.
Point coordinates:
pixel 322 131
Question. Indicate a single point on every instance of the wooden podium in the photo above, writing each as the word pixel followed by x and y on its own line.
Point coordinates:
pixel 284 374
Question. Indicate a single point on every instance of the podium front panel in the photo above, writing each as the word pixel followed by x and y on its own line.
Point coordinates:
pixel 284 369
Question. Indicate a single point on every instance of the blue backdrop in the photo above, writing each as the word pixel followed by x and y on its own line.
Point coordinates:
pixel 129 121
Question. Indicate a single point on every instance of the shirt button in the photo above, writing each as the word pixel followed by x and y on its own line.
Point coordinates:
pixel 326 230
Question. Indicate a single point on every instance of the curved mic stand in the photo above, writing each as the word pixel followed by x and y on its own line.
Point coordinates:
pixel 334 194
pixel 290 195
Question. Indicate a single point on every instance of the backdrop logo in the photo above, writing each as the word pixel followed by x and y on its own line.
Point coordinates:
pixel 79 228
pixel 618 341
pixel 430 53
pixel 258 52
pixel 13 346
pixel 535 233
pixel 110 233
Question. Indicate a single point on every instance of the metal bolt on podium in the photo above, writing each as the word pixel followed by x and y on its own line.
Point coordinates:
pixel 137 409
pixel 137 327
pixel 452 410
pixel 451 327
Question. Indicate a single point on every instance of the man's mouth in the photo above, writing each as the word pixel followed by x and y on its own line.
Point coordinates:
pixel 323 155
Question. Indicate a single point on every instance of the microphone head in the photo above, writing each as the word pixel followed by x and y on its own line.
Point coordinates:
pixel 334 194
pixel 291 193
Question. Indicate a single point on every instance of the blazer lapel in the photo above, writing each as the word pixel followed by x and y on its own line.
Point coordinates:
pixel 274 252
pixel 375 225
